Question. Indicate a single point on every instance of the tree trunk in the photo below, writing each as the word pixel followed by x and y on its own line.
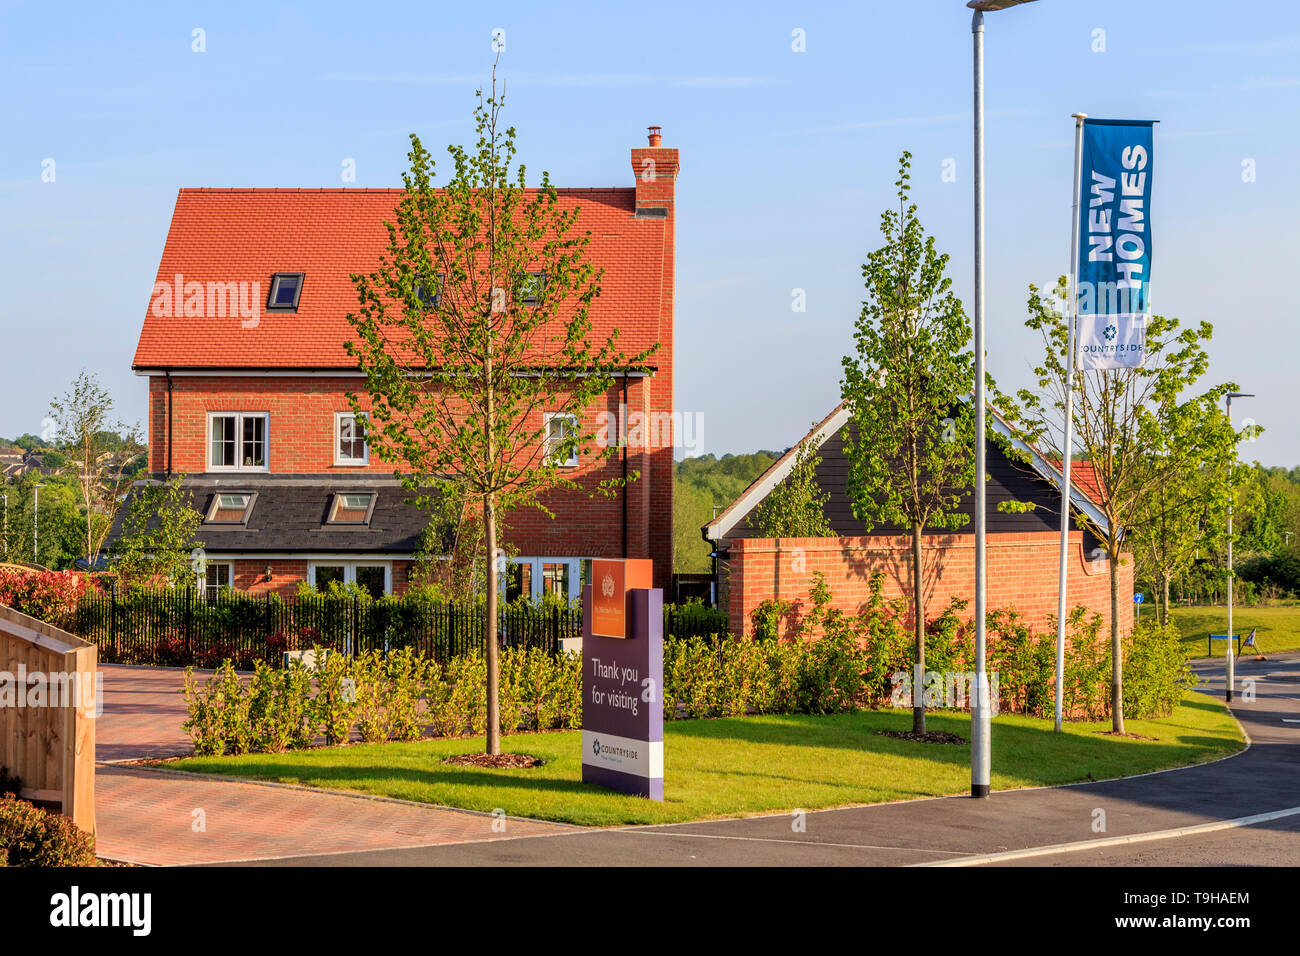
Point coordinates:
pixel 1165 621
pixel 1116 650
pixel 493 708
pixel 918 611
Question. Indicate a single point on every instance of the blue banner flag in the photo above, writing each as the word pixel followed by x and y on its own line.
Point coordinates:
pixel 1114 269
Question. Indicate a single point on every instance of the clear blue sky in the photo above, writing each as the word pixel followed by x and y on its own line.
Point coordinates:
pixel 787 161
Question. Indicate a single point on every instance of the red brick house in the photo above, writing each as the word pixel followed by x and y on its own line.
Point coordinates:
pixel 243 350
pixel 1022 544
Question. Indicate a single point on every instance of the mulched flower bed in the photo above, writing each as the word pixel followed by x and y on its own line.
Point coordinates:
pixel 1111 733
pixel 929 737
pixel 496 761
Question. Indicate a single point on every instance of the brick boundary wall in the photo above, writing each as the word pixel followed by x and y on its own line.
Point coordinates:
pixel 1022 573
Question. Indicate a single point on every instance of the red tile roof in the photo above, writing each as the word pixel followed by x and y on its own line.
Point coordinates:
pixel 1083 475
pixel 246 235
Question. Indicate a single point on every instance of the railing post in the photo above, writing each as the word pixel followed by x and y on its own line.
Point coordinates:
pixel 112 620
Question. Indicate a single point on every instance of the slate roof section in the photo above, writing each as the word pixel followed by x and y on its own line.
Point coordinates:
pixel 1035 483
pixel 248 235
pixel 289 516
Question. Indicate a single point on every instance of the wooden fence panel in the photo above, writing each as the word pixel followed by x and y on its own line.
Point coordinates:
pixel 47 740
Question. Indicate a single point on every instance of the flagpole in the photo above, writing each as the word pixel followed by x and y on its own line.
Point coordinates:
pixel 1071 307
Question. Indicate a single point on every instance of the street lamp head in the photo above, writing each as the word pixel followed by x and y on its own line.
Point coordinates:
pixel 988 6
pixel 1241 394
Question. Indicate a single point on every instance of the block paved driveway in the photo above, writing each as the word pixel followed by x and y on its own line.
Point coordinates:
pixel 154 817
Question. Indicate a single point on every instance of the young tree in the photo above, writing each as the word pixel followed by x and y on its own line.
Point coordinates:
pixel 102 450
pixel 796 508
pixel 158 536
pixel 1192 444
pixel 476 340
pixel 911 430
pixel 1138 427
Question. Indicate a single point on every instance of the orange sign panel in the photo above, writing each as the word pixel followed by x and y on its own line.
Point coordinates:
pixel 611 579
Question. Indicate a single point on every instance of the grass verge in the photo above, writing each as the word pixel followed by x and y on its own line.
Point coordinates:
pixel 1278 627
pixel 752 765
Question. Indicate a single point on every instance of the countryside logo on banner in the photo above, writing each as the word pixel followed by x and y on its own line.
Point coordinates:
pixel 1114 280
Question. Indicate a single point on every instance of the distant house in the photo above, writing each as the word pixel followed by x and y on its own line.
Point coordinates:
pixel 1022 545
pixel 248 377
pixel 29 462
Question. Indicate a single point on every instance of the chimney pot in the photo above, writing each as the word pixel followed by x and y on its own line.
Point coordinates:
pixel 655 138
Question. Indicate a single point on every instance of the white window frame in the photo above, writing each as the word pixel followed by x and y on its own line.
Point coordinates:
pixel 239 441
pixel 350 570
pixel 340 461
pixel 536 586
pixel 572 419
pixel 202 575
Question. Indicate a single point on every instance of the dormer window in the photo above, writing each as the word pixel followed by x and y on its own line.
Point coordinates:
pixel 531 287
pixel 230 507
pixel 352 507
pixel 286 288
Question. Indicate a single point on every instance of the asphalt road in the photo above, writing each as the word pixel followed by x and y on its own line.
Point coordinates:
pixel 1263 779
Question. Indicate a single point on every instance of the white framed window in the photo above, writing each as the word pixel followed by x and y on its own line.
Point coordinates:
pixel 533 578
pixel 237 441
pixel 375 576
pixel 215 576
pixel 350 448
pixel 560 428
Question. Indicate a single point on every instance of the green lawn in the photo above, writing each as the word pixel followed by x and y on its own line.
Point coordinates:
pixel 1279 627
pixel 752 765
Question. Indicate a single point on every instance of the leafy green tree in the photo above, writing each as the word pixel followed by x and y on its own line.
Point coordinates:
pixel 159 535
pixel 1193 445
pixel 58 533
pixel 702 485
pixel 101 449
pixel 472 332
pixel 1267 510
pixel 911 431
pixel 1136 426
pixel 796 508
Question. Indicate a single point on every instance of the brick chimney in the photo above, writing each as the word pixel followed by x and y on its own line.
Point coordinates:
pixel 655 169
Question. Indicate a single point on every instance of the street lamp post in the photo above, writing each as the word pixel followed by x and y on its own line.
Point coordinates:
pixel 1231 493
pixel 980 706
pixel 36 518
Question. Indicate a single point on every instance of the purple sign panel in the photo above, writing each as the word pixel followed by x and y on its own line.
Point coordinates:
pixel 622 710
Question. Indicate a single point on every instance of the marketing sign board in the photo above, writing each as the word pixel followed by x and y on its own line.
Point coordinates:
pixel 611 579
pixel 622 683
pixel 1114 268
